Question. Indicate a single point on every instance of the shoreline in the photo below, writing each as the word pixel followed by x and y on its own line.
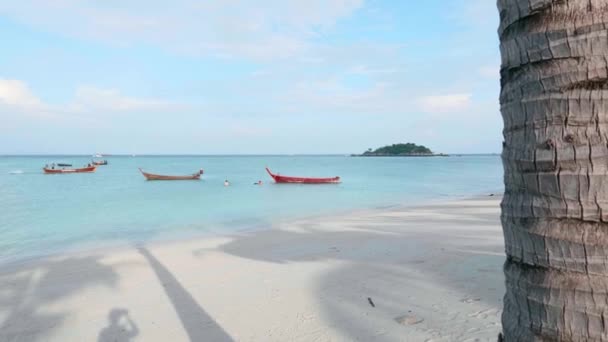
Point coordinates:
pixel 113 246
pixel 432 272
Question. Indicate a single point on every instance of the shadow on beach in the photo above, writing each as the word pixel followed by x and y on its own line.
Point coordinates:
pixel 198 324
pixel 121 328
pixel 27 290
pixel 391 257
pixel 24 290
pixel 383 264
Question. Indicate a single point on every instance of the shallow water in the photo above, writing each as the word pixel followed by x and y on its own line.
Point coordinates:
pixel 42 214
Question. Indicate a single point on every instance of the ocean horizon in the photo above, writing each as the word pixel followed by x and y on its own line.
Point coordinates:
pixel 346 154
pixel 49 214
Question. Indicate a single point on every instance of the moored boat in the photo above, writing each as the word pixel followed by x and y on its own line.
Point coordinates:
pixel 64 164
pixel 302 180
pixel 99 162
pixel 151 176
pixel 87 169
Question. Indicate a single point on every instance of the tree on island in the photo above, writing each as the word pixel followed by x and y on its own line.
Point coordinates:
pixel 399 150
pixel 554 103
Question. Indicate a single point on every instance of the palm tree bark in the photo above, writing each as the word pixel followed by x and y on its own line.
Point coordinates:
pixel 554 103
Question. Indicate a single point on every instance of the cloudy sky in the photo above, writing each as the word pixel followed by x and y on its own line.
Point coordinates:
pixel 246 77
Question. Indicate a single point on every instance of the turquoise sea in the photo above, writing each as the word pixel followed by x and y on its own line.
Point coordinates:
pixel 45 214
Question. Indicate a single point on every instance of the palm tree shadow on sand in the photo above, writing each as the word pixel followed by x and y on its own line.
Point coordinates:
pixel 27 288
pixel 367 247
pixel 198 324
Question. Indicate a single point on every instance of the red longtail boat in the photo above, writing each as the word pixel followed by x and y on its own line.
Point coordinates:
pixel 302 180
pixel 151 176
pixel 87 169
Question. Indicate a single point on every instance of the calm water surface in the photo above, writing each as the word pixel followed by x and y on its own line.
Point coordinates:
pixel 43 214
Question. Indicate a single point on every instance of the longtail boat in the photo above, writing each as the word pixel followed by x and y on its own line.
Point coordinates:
pixel 87 169
pixel 99 162
pixel 302 180
pixel 151 176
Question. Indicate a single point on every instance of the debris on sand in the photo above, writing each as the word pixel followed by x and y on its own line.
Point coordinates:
pixel 408 320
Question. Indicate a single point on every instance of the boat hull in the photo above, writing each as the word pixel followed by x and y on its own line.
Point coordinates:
pixel 302 180
pixel 153 177
pixel 61 171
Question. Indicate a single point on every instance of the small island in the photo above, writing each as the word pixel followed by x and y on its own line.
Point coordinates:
pixel 400 150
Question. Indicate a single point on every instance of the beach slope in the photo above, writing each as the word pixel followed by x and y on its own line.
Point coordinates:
pixel 430 273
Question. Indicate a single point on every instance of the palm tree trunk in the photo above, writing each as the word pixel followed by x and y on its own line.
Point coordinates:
pixel 554 103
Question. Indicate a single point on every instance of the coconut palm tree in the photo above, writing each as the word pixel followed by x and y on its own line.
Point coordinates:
pixel 554 103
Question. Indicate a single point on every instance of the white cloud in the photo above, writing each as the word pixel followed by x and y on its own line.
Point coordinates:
pixel 445 103
pixel 17 98
pixel 17 94
pixel 231 28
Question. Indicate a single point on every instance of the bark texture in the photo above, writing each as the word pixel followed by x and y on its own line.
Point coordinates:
pixel 554 103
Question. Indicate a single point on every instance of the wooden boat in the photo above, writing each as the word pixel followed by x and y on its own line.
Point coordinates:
pixel 151 176
pixel 99 162
pixel 87 169
pixel 302 180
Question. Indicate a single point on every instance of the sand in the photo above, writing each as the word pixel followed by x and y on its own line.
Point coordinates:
pixel 431 273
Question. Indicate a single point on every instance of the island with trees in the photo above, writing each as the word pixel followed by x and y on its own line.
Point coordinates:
pixel 400 150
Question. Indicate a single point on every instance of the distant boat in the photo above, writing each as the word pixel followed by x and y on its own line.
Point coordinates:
pixel 64 165
pixel 151 176
pixel 98 155
pixel 302 180
pixel 99 162
pixel 16 172
pixel 87 169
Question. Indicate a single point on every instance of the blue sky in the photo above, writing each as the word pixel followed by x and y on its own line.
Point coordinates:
pixel 247 77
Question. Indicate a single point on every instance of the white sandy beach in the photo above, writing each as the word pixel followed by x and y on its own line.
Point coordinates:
pixel 433 273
